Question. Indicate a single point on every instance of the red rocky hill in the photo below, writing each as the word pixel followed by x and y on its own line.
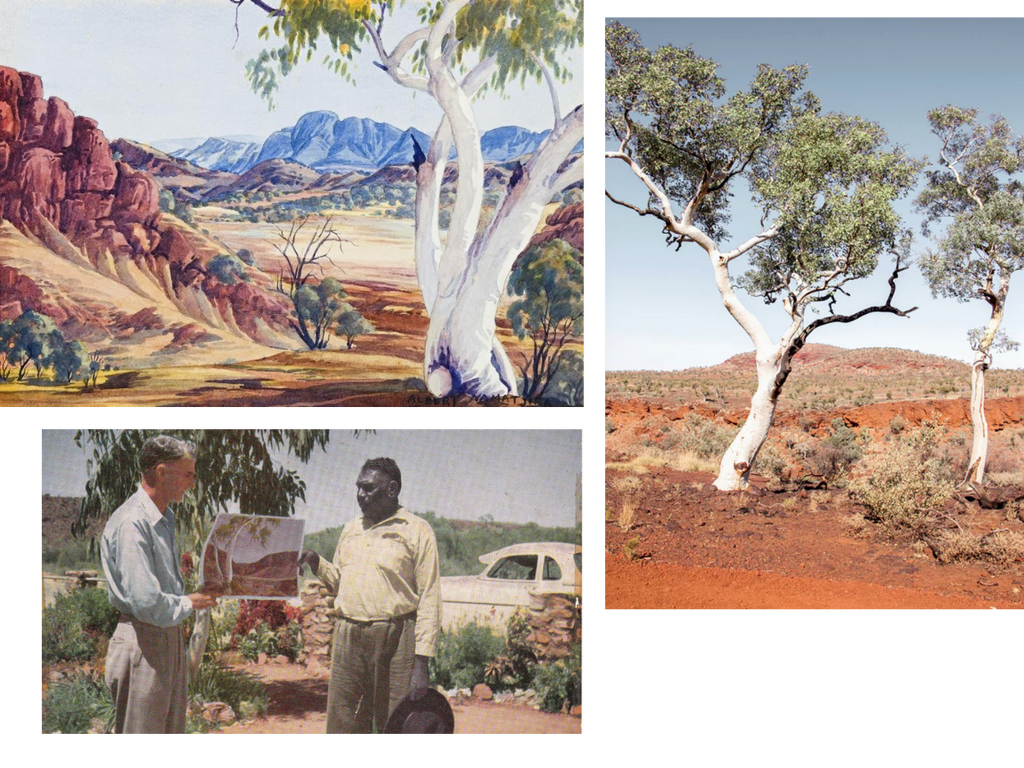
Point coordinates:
pixel 125 272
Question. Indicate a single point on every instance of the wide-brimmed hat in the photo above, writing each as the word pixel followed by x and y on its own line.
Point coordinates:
pixel 422 711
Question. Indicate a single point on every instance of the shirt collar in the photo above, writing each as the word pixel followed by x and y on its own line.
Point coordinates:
pixel 400 516
pixel 152 512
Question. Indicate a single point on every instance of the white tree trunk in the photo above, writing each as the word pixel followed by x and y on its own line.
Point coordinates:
pixel 734 471
pixel 979 443
pixel 463 354
pixel 197 643
pixel 979 423
pixel 463 279
pixel 773 366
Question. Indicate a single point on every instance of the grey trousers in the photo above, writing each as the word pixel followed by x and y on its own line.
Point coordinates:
pixel 147 672
pixel 371 670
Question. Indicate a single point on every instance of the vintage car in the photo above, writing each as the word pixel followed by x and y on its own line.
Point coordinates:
pixel 510 577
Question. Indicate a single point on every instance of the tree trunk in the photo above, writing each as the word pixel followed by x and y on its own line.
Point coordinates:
pixel 739 458
pixel 982 358
pixel 197 643
pixel 979 444
pixel 463 355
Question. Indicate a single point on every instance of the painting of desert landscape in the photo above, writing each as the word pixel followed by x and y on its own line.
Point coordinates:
pixel 253 556
pixel 291 203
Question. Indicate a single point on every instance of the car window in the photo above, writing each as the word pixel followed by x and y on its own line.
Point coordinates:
pixel 551 569
pixel 518 567
pixel 578 558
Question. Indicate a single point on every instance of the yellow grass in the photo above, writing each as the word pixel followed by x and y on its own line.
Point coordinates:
pixel 627 513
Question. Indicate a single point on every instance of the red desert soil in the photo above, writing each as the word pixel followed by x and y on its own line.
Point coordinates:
pixel 696 548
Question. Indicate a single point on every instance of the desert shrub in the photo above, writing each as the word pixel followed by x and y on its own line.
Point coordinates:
pixel 833 457
pixel 1003 548
pixel 560 683
pixel 72 705
pixel 463 655
pixel 227 268
pixel 905 482
pixel 629 548
pixel 212 682
pixel 627 513
pixel 770 462
pixel 829 461
pixel 704 438
pixel 897 423
pixel 514 666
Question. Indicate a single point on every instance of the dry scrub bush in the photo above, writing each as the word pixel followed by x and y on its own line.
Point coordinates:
pixel 770 463
pixel 904 484
pixel 704 438
pixel 1003 548
pixel 692 462
pixel 627 513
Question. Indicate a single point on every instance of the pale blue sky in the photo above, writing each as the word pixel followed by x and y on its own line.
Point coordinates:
pixel 162 69
pixel 663 311
pixel 512 475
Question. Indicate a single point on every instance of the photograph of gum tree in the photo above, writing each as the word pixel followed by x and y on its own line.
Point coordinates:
pixel 253 556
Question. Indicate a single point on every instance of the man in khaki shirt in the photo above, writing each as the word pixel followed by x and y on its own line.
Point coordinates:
pixel 386 580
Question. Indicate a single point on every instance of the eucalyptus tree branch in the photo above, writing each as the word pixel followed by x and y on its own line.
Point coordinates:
pixel 551 85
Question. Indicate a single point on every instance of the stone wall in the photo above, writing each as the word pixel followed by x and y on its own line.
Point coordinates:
pixel 317 629
pixel 555 624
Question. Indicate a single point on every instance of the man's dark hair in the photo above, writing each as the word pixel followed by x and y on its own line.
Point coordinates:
pixel 388 467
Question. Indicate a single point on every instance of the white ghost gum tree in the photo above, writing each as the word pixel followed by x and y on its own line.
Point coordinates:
pixel 825 184
pixel 976 194
pixel 460 48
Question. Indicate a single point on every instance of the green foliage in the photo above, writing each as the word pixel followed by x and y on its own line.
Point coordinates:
pixel 905 483
pixel 514 32
pixel 28 339
pixel 559 684
pixel 463 656
pixel 549 278
pixel 227 268
pixel 73 625
pixel 514 666
pixel 975 193
pixel 243 693
pixel 667 109
pixel 351 324
pixel 829 182
pixel 231 465
pixel 76 704
pixel 316 307
pixel 826 182
pixel 703 437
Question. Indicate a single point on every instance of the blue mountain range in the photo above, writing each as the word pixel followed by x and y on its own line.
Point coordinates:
pixel 323 141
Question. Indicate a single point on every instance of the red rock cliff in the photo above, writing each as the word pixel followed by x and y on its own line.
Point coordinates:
pixel 60 182
pixel 57 169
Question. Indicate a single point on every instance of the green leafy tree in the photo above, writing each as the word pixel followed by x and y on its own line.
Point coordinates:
pixel 66 357
pixel 352 324
pixel 549 278
pixel 227 268
pixel 28 341
pixel 458 49
pixel 825 183
pixel 232 465
pixel 975 195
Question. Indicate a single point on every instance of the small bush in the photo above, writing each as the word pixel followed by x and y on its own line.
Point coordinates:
pixel 1003 548
pixel 212 682
pixel 627 513
pixel 73 625
pixel 559 684
pixel 463 656
pixel 514 666
pixel 705 438
pixel 905 483
pixel 72 705
pixel 629 548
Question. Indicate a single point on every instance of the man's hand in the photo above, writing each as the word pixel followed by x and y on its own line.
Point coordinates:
pixel 203 599
pixel 310 558
pixel 419 674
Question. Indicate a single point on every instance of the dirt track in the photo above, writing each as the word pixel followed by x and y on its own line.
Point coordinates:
pixel 298 704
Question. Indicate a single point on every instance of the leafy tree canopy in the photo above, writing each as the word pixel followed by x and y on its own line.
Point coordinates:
pixel 232 465
pixel 516 33
pixel 826 182
pixel 977 194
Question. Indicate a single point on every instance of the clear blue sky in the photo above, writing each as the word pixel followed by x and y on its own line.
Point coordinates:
pixel 512 475
pixel 663 311
pixel 164 69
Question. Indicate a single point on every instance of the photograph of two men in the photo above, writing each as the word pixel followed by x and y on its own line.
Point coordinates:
pixel 311 581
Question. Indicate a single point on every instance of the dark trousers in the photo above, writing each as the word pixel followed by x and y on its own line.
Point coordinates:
pixel 371 670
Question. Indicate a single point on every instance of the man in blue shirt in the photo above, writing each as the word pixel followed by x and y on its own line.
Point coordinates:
pixel 146 665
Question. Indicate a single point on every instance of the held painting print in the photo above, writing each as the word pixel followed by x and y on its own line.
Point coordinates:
pixel 253 556
pixel 291 202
